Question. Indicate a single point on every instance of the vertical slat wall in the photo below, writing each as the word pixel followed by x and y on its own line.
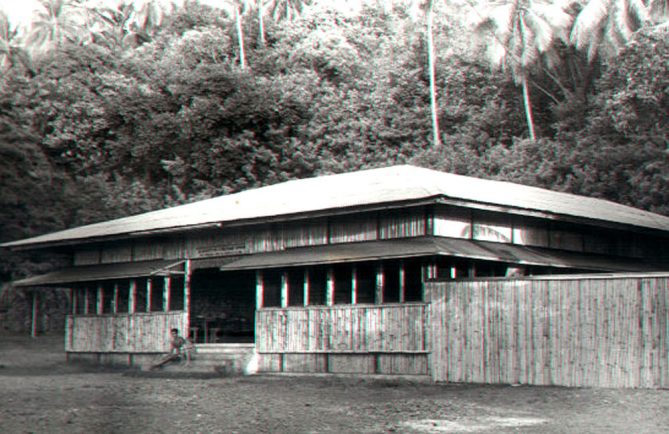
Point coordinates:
pixel 138 333
pixel 388 339
pixel 265 238
pixel 603 332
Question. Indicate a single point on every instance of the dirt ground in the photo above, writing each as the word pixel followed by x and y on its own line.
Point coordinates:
pixel 39 393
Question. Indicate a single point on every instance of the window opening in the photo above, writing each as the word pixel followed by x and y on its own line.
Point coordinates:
pixel 343 275
pixel 272 288
pixel 366 279
pixel 391 282
pixel 317 285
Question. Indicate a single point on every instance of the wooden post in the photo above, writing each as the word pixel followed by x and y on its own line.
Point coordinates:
pixel 429 220
pixel 354 285
pixel 260 289
pixel 149 290
pixel 428 271
pixel 33 323
pixel 167 292
pixel 403 282
pixel 432 270
pixel 284 289
pixel 330 288
pixel 86 301
pixel 75 300
pixel 99 307
pixel 114 306
pixel 306 287
pixel 378 299
pixel 132 296
pixel 187 280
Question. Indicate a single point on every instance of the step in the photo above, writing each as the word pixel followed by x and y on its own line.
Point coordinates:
pixel 224 348
pixel 216 359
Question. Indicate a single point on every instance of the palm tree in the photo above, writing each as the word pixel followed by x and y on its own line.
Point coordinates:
pixel 417 11
pixel 55 23
pixel 604 26
pixel 287 9
pixel 521 36
pixel 261 22
pixel 11 50
pixel 237 8
pixel 436 135
pixel 149 18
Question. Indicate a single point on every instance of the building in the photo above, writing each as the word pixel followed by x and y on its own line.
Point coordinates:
pixel 327 274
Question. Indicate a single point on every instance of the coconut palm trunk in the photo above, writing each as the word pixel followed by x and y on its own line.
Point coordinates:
pixel 261 23
pixel 528 108
pixel 436 136
pixel 240 38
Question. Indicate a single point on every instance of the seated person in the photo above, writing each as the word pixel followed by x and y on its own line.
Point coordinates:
pixel 179 347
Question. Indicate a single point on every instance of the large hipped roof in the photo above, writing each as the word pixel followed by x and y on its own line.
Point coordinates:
pixel 355 189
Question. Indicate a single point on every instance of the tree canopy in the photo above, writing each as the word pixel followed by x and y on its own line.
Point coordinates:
pixel 111 111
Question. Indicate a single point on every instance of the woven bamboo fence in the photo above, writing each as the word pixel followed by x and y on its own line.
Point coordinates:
pixel 605 331
pixel 122 333
pixel 382 339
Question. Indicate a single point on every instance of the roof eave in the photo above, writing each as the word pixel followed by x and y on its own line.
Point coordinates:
pixel 23 245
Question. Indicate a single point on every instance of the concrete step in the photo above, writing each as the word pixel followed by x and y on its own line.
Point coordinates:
pixel 215 359
pixel 224 348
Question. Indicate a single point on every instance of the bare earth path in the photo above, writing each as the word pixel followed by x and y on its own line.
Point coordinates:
pixel 40 394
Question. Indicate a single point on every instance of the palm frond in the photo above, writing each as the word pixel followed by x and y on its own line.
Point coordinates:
pixel 542 31
pixel 590 20
pixel 659 11
pixel 639 10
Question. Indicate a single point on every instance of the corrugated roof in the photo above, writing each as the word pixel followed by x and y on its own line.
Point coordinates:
pixel 345 253
pixel 365 187
pixel 98 272
pixel 428 246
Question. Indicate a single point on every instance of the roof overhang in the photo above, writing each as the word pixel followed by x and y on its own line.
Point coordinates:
pixel 102 272
pixel 429 246
pixel 347 253
pixel 362 190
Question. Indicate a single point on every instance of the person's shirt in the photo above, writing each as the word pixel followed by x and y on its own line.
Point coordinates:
pixel 177 343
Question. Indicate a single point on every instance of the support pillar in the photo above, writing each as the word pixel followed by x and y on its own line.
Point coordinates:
pixel 260 289
pixel 75 300
pixel 187 282
pixel 114 304
pixel 354 285
pixel 330 288
pixel 149 291
pixel 33 322
pixel 132 297
pixel 403 282
pixel 167 292
pixel 87 305
pixel 284 289
pixel 306 287
pixel 378 299
pixel 99 306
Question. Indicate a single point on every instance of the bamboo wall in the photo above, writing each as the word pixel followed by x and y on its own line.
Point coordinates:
pixel 382 339
pixel 124 333
pixel 577 331
pixel 263 238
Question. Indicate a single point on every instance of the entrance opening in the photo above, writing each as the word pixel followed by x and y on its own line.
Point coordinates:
pixel 223 306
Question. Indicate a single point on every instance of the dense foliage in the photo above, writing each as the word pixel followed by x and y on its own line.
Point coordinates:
pixel 124 110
